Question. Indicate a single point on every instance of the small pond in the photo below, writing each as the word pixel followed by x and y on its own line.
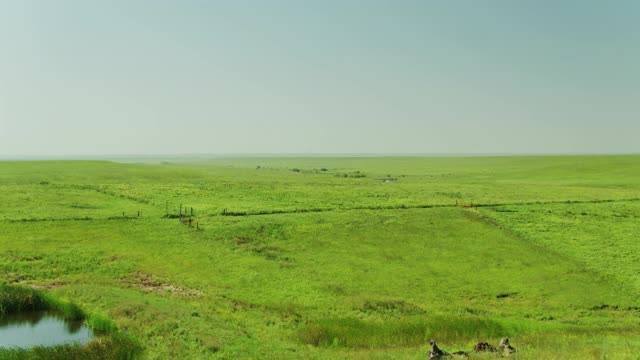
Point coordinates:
pixel 41 328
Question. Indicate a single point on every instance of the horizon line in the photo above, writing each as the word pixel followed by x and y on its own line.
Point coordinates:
pixel 289 155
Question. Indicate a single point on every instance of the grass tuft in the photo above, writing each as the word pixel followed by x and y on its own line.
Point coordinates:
pixel 356 333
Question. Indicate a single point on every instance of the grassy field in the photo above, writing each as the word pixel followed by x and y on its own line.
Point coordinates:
pixel 322 258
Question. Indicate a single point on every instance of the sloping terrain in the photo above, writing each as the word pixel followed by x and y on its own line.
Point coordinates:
pixel 314 264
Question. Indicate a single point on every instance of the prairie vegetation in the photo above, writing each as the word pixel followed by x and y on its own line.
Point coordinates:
pixel 313 264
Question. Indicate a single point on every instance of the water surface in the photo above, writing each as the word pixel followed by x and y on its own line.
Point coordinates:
pixel 43 328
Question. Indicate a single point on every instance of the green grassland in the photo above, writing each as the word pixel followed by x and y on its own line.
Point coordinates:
pixel 320 258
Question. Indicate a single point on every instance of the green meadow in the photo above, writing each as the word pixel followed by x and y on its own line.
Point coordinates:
pixel 335 258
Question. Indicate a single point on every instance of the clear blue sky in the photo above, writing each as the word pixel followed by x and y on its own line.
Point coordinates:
pixel 452 76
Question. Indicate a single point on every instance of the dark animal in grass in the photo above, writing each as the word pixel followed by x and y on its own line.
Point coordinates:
pixel 437 353
pixel 484 347
pixel 505 347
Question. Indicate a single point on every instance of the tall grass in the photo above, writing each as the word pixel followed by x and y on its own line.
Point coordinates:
pixel 356 333
pixel 116 346
pixel 16 299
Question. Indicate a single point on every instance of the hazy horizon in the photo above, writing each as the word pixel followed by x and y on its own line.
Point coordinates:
pixel 188 157
pixel 214 78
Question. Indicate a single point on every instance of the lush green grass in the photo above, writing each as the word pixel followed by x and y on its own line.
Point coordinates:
pixel 400 332
pixel 16 299
pixel 336 267
pixel 117 346
pixel 238 185
pixel 39 202
pixel 602 236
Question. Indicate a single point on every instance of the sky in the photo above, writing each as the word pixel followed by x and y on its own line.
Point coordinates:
pixel 81 77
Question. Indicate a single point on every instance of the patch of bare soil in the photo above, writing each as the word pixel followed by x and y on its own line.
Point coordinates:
pixel 47 286
pixel 152 283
